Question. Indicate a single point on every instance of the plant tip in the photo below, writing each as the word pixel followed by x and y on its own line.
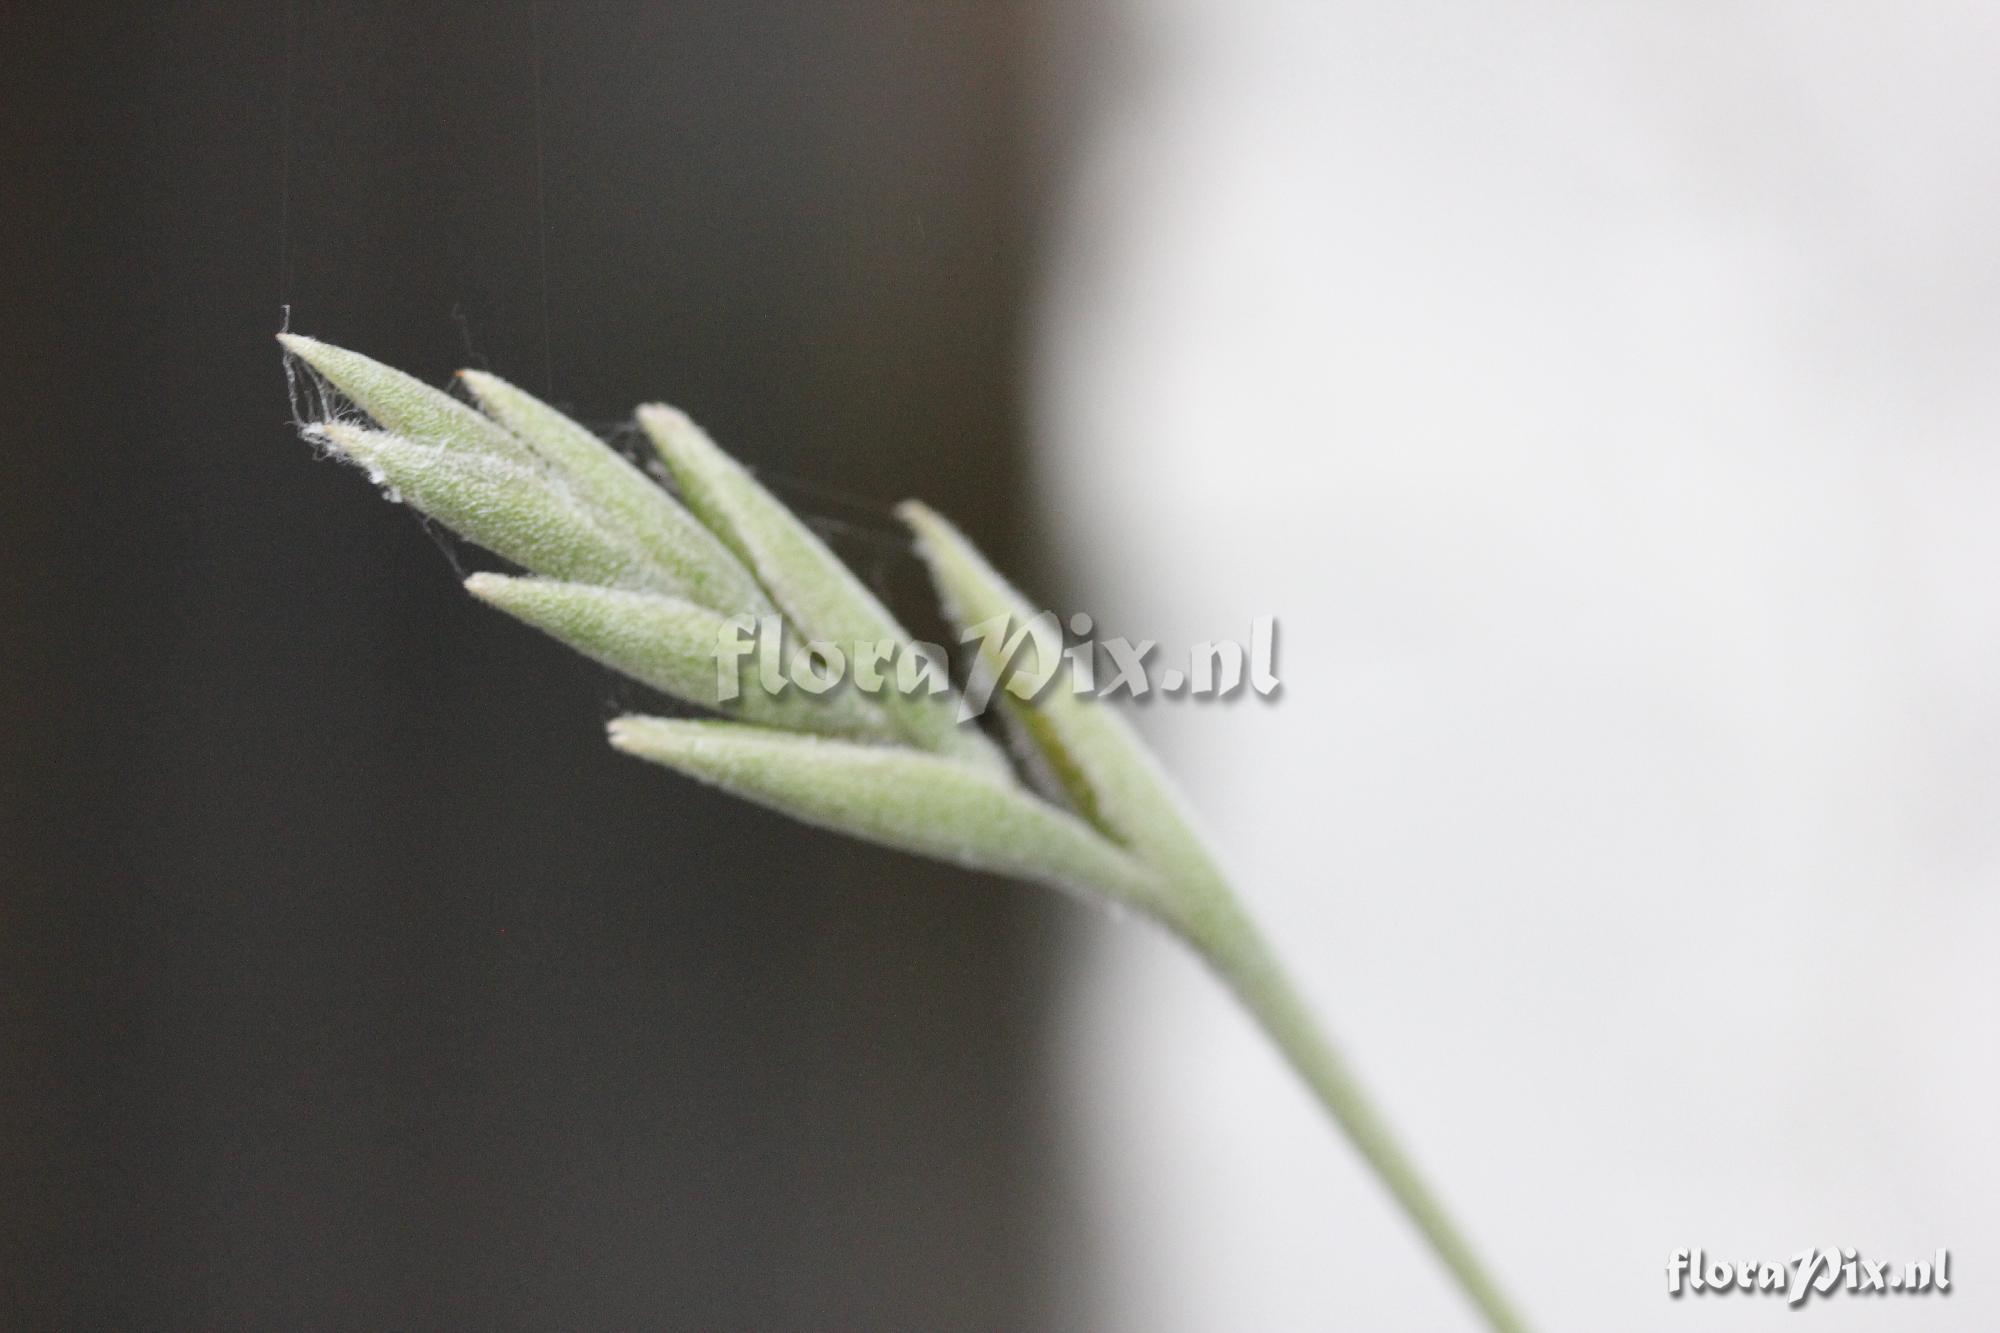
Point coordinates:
pixel 661 414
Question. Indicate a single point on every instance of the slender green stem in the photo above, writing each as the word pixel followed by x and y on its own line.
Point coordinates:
pixel 1238 952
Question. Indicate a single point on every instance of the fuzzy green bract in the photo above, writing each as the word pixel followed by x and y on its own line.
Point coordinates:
pixel 820 595
pixel 897 796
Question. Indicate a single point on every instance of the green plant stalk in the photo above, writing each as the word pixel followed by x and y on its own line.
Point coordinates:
pixel 1238 953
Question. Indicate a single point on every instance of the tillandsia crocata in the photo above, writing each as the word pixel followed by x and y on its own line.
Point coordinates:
pixel 650 581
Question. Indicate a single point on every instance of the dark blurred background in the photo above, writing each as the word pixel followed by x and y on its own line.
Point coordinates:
pixel 347 979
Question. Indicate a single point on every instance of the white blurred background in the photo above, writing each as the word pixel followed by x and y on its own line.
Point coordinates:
pixel 1604 401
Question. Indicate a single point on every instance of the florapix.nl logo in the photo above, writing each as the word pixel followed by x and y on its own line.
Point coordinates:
pixel 1810 1272
pixel 1025 657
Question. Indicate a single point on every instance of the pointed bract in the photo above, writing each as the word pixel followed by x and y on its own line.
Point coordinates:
pixel 807 580
pixel 507 507
pixel 705 570
pixel 901 798
pixel 671 645
pixel 404 405
pixel 1110 776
